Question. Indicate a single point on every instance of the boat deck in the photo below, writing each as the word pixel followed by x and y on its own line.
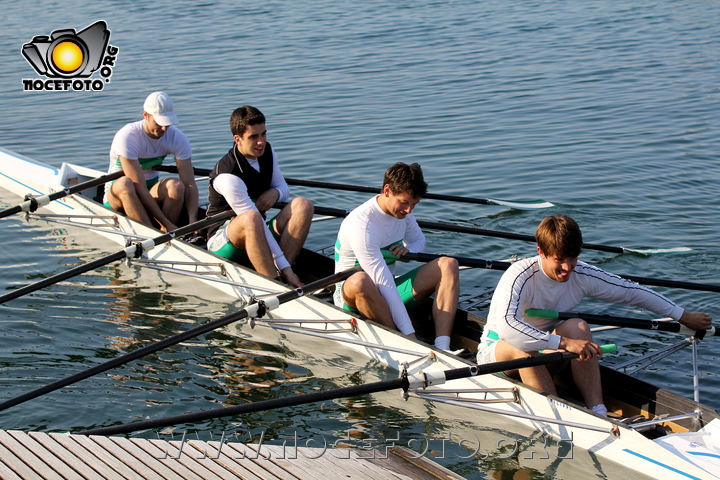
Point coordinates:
pixel 64 456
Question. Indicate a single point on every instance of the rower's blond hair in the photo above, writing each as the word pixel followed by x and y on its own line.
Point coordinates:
pixel 559 236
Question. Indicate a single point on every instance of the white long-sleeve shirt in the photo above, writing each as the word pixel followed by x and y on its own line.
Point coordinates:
pixel 525 285
pixel 362 235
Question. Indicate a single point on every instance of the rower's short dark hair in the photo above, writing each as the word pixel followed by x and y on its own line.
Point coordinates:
pixel 559 236
pixel 243 117
pixel 404 178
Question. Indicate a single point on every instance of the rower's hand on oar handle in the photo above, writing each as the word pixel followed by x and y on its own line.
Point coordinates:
pixel 398 250
pixel 168 227
pixel 584 349
pixel 696 320
pixel 291 278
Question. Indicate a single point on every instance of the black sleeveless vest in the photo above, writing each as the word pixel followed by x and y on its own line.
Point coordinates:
pixel 236 164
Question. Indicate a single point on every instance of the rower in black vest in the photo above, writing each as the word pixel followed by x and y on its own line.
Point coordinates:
pixel 236 164
pixel 248 180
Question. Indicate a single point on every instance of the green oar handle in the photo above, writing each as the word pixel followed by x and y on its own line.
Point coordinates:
pixel 546 314
pixel 607 348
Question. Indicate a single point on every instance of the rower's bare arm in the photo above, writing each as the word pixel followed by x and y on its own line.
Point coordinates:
pixel 133 170
pixel 267 199
pixel 696 320
pixel 187 177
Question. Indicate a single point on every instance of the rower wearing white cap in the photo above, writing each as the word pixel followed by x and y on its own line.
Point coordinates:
pixel 136 149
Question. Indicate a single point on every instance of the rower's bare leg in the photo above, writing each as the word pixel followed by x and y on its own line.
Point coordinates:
pixel 122 196
pixel 293 224
pixel 170 195
pixel 538 377
pixel 359 292
pixel 247 232
pixel 441 276
pixel 586 373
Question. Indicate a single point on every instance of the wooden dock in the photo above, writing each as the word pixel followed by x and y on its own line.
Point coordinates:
pixel 58 456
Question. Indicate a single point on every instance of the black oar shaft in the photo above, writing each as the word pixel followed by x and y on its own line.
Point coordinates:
pixel 496 265
pixel 447 227
pixel 175 339
pixel 86 267
pixel 462 261
pixel 617 321
pixel 363 189
pixel 659 282
pixel 500 234
pixel 299 182
pixel 119 255
pixel 31 205
pixel 333 394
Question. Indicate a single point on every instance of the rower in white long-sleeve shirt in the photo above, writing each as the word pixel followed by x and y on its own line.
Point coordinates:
pixel 373 236
pixel 556 280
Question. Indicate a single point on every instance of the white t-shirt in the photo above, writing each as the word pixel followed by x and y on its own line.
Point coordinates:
pixel 133 143
pixel 362 234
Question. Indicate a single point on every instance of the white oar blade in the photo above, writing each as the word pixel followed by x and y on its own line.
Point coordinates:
pixel 655 251
pixel 523 206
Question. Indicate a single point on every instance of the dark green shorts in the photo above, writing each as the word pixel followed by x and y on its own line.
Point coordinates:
pixel 404 285
pixel 223 247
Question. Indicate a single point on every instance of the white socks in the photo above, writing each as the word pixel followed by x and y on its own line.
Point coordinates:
pixel 442 342
pixel 600 408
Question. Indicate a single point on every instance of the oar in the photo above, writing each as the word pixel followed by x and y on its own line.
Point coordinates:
pixel 33 203
pixel 620 321
pixel 135 250
pixel 447 227
pixel 539 204
pixel 419 380
pixel 462 261
pixel 360 188
pixel 255 310
pixel 499 265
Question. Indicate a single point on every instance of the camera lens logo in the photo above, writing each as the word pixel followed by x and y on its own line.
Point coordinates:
pixel 67 54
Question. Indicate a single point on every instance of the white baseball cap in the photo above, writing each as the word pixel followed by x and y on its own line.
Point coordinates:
pixel 160 106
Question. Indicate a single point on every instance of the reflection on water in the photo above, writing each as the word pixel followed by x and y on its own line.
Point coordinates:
pixel 607 109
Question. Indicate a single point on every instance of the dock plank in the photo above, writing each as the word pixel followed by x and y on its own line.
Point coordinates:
pixel 23 455
pixel 220 465
pixel 189 462
pixel 251 456
pixel 123 446
pixel 65 465
pixel 63 456
pixel 229 457
pixel 8 461
pixel 142 466
pixel 95 455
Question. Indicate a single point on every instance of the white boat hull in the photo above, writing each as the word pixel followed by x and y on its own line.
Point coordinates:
pixel 550 415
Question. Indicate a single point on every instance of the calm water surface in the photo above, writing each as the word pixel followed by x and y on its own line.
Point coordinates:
pixel 607 109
